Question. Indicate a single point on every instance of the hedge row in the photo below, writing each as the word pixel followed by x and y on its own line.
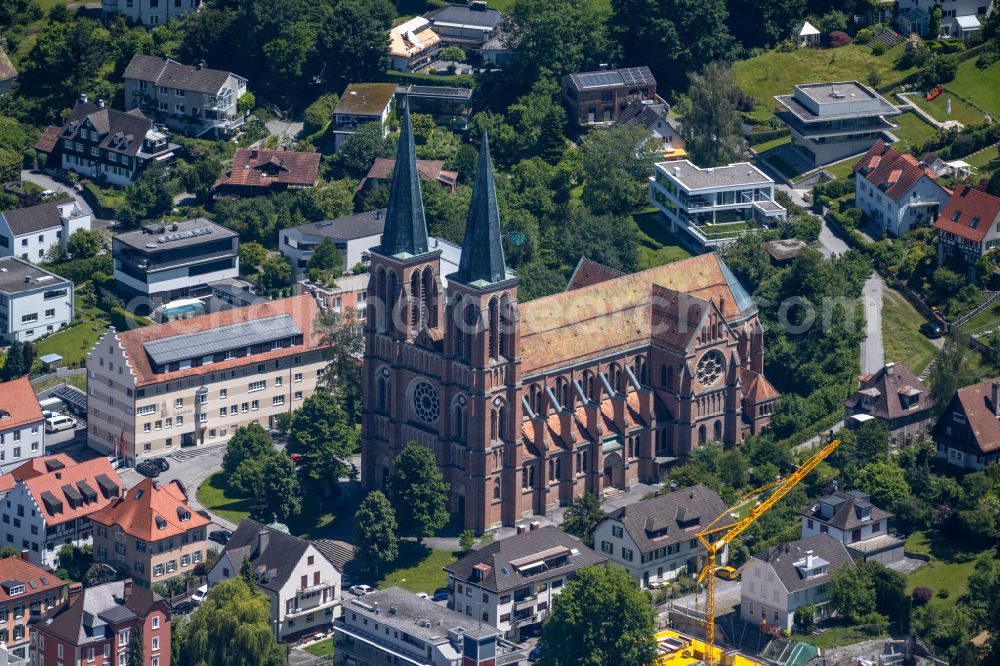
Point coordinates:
pixel 79 271
pixel 757 138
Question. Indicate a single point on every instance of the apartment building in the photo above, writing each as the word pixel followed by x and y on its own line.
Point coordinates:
pixel 150 533
pixel 361 103
pixel 27 591
pixel 395 626
pixel 302 586
pixel 104 144
pixel 598 98
pixel 851 518
pixel 896 191
pixel 968 227
pixel 654 539
pixel 22 428
pixel 29 233
pixel 352 235
pixel 713 206
pixel 832 121
pixel 95 627
pixel 33 301
pixel 52 509
pixel 194 99
pixel 159 263
pixel 192 382
pixel 148 12
pixel 509 584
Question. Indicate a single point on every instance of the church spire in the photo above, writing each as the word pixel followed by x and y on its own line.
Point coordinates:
pixel 405 230
pixel 482 251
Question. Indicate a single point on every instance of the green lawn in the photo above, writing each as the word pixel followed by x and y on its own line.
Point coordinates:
pixel 73 343
pixel 79 381
pixel 949 568
pixel 903 341
pixel 215 495
pixel 776 73
pixel 938 107
pixel 913 132
pixel 983 157
pixel 657 246
pixel 761 148
pixel 981 86
pixel 985 320
pixel 419 568
pixel 841 169
pixel 321 649
pixel 836 636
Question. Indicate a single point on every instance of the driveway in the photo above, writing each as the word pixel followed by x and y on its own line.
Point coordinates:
pixel 284 130
pixel 872 351
pixel 49 183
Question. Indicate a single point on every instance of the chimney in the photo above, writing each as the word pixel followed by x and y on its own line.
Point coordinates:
pixel 126 589
pixel 603 66
pixel 890 368
pixel 100 103
pixel 25 555
pixel 74 591
pixel 996 398
pixel 520 528
pixel 83 97
pixel 534 525
pixel 262 538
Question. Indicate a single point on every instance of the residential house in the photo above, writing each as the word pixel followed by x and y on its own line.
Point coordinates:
pixel 262 171
pixel 960 18
pixel 8 73
pixel 96 625
pixel 148 12
pixel 27 591
pixel 851 518
pixel 713 206
pixel 162 262
pixel 896 397
pixel 468 26
pixel 361 103
pixel 193 382
pixel 395 626
pixel 655 117
pixel 596 98
pixel 104 144
pixel 496 52
pixel 29 233
pixel 33 301
pixel 968 227
pixel 968 432
pixel 509 584
pixel 449 107
pixel 832 121
pixel 194 99
pixel 302 586
pixel 49 510
pixel 896 192
pixel 430 171
pixel 22 427
pixel 150 533
pixel 778 580
pixel 30 469
pixel 353 235
pixel 654 540
pixel 413 44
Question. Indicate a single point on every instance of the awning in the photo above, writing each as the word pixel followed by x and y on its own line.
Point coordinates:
pixel 808 29
pixel 969 22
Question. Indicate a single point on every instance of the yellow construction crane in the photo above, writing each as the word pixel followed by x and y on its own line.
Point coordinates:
pixel 713 543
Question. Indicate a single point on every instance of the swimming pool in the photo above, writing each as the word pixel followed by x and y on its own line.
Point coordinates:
pixel 182 311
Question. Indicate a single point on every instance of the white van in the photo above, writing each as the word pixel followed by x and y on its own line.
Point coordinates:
pixel 57 423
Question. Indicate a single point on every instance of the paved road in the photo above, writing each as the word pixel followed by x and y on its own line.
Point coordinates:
pixel 830 243
pixel 872 350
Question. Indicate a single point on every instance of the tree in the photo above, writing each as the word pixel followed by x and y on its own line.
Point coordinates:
pixel 252 255
pixel 606 239
pixel 375 532
pixel 934 23
pixel 853 593
pixel 582 517
pixel 233 627
pixel 134 653
pixel 713 130
pixel 343 338
pixel 148 198
pixel 993 185
pixel 275 273
pixel 84 243
pixel 199 177
pixel 419 492
pixel 326 257
pixel 871 442
pixel 352 43
pixel 602 617
pixel 805 618
pixel 10 166
pixel 246 573
pixel 319 114
pixel 452 54
pixel 891 599
pixel 246 102
pixel 885 483
pixel 952 371
pixel 616 163
pixel 466 540
pixel 13 365
pixel 249 442
pixel 334 199
pixel 359 150
pixel 279 495
pixel 323 434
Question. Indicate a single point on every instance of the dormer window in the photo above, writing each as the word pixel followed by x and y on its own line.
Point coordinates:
pixel 974 223
pixel 161 524
pixel 954 216
pixel 16 590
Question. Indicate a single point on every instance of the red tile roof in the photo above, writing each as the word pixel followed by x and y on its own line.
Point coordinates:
pixel 151 511
pixel 756 387
pixel 589 272
pixel 302 309
pixel 267 168
pixel 22 571
pixel 891 172
pixel 47 141
pixel 31 469
pixel 18 404
pixel 55 484
pixel 966 205
pixel 429 170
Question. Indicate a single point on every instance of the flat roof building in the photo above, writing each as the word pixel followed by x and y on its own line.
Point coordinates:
pixel 361 103
pixel 831 121
pixel 33 301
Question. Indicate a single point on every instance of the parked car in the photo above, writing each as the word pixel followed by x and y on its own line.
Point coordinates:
pixel 361 590
pixel 220 536
pixel 182 608
pixel 440 594
pixel 147 468
pixel 535 654
pixel 932 329
pixel 161 463
pixel 59 422
pixel 200 594
pixel 727 573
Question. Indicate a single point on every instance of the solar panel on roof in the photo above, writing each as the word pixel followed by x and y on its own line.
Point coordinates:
pixel 598 79
pixel 637 76
pixel 203 343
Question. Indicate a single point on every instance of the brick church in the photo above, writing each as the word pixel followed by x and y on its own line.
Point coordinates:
pixel 528 405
